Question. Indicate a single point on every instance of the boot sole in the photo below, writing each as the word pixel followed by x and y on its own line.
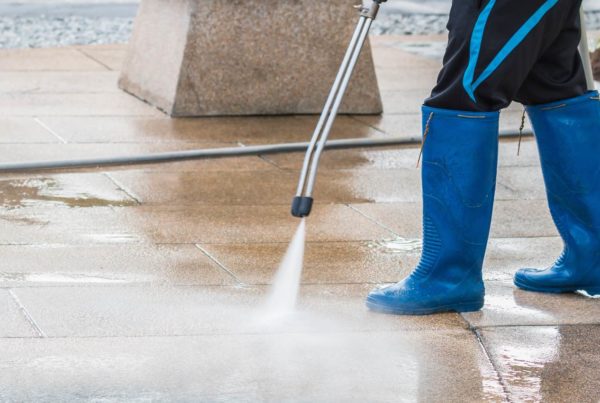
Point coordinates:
pixel 462 307
pixel 557 290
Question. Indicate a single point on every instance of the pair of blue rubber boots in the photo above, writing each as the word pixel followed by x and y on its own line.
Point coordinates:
pixel 460 158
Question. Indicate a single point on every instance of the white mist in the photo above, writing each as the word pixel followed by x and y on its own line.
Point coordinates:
pixel 286 284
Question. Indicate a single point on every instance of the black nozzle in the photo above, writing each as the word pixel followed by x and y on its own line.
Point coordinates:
pixel 301 206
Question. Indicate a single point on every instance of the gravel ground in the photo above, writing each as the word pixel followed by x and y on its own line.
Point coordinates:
pixel 33 31
pixel 422 24
pixel 37 32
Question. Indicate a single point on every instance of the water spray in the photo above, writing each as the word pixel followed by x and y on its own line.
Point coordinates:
pixel 303 201
pixel 284 291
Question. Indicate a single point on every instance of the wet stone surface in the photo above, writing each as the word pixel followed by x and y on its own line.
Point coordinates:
pixel 148 283
pixel 70 191
pixel 547 363
pixel 285 367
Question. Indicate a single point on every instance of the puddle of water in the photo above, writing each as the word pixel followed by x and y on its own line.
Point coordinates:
pixel 21 220
pixel 399 245
pixel 19 193
pixel 525 362
pixel 115 238
pixel 507 305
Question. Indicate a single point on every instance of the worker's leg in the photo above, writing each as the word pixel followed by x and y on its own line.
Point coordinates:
pixel 460 154
pixel 493 47
pixel 558 73
pixel 495 44
pixel 568 136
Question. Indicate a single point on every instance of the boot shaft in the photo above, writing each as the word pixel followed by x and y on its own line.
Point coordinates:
pixel 568 138
pixel 460 157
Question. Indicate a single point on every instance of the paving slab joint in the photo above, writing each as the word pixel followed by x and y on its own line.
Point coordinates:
pixel 27 315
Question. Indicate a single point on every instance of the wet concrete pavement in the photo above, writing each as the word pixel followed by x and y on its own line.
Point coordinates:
pixel 147 283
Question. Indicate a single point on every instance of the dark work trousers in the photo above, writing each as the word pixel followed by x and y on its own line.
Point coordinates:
pixel 501 51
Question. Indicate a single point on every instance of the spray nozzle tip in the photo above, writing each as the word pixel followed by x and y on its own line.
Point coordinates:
pixel 301 206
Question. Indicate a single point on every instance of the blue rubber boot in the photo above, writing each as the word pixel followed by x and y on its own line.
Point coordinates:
pixel 460 158
pixel 568 137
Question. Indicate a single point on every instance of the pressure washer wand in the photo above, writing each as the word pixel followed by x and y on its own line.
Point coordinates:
pixel 303 201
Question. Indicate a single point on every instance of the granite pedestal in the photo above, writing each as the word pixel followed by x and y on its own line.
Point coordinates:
pixel 245 57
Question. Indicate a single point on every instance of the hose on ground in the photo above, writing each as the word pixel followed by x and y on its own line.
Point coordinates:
pixel 213 153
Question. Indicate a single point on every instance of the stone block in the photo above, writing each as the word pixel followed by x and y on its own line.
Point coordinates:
pixel 245 57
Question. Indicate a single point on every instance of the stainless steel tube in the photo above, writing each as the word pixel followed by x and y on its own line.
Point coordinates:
pixel 328 104
pixel 336 106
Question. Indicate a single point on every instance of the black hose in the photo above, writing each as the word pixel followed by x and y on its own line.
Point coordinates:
pixel 213 153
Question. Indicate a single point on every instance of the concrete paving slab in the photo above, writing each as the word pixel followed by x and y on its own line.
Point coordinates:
pixel 407 125
pixel 180 224
pixel 243 224
pixel 509 154
pixel 522 218
pixel 102 46
pixel 391 57
pixel 268 187
pixel 547 363
pixel 217 188
pixel 58 82
pixel 381 262
pixel 505 255
pixel 521 183
pixel 397 40
pixel 254 367
pixel 384 261
pixel 14 321
pixel 66 59
pixel 404 102
pixel 404 219
pixel 512 118
pixel 505 305
pixel 110 311
pixel 111 56
pixel 393 76
pixel 89 225
pixel 512 218
pixel 249 130
pixel 324 263
pixel 24 130
pixel 69 265
pixel 92 104
pixel 66 190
